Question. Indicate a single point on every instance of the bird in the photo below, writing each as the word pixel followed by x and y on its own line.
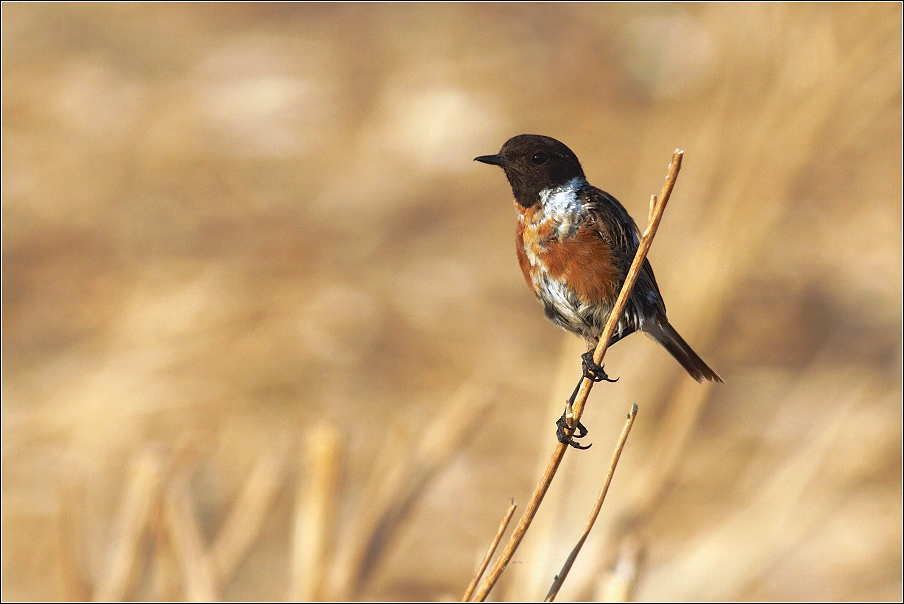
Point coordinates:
pixel 575 244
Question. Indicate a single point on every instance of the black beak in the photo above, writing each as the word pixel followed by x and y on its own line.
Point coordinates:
pixel 495 160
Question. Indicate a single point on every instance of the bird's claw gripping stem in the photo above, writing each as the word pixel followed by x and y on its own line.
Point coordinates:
pixel 592 371
pixel 580 432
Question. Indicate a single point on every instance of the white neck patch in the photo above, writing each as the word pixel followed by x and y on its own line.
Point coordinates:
pixel 562 202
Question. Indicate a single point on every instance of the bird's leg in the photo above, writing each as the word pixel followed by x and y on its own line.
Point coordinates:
pixel 594 373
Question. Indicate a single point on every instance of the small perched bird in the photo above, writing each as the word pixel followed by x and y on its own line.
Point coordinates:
pixel 575 244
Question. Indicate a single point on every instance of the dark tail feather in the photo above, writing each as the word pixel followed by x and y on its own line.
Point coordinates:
pixel 663 332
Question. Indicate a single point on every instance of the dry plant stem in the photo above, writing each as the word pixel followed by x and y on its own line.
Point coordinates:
pixel 198 573
pixel 595 512
pixel 645 242
pixel 486 559
pixel 247 516
pixel 141 493
pixel 573 415
pixel 315 502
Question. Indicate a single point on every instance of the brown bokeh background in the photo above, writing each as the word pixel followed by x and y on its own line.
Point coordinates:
pixel 262 313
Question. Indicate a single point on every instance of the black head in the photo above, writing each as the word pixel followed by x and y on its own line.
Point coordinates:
pixel 533 163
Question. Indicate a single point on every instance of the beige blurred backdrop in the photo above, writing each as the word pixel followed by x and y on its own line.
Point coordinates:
pixel 265 336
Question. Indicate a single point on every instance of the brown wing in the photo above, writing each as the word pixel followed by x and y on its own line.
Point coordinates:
pixel 616 226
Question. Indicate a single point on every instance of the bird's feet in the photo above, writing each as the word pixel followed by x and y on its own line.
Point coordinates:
pixel 592 371
pixel 579 432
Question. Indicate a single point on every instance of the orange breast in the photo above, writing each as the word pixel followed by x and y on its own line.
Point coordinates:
pixel 584 260
pixel 586 263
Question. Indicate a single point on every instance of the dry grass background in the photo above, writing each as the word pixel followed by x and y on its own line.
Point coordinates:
pixel 255 292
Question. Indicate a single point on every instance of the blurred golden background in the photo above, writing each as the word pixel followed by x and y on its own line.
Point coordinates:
pixel 265 336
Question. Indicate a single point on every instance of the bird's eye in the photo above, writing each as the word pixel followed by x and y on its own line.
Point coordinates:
pixel 539 159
